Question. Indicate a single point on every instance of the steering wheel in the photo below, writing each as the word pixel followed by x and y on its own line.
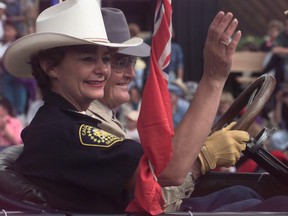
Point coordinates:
pixel 254 98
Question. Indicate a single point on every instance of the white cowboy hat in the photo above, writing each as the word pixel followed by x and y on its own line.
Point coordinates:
pixel 72 22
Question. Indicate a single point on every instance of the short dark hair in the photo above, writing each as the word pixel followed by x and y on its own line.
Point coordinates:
pixel 55 57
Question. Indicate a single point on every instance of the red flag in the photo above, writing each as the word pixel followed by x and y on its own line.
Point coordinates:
pixel 155 125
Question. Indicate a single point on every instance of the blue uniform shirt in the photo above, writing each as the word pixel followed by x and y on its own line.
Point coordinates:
pixel 78 165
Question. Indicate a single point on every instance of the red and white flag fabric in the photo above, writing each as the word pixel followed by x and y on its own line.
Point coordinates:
pixel 155 124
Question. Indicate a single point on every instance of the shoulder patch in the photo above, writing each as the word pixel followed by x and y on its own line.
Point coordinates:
pixel 92 136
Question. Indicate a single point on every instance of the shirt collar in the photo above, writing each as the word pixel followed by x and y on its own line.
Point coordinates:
pixel 108 111
pixel 53 98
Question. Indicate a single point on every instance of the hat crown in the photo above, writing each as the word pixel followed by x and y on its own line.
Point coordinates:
pixel 117 30
pixel 75 18
pixel 114 19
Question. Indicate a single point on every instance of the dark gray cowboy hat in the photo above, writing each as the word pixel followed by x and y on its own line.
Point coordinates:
pixel 118 31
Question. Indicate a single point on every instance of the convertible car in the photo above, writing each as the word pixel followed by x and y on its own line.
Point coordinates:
pixel 18 196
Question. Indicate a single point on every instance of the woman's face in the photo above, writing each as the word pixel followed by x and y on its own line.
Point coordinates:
pixel 81 76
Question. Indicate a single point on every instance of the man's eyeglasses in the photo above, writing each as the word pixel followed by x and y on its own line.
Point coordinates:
pixel 120 63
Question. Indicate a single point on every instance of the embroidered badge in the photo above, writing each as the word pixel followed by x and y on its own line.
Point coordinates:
pixel 92 136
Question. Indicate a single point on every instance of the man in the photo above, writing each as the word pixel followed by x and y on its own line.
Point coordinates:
pixel 116 93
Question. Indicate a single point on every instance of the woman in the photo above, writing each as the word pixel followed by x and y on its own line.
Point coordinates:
pixel 71 68
pixel 70 81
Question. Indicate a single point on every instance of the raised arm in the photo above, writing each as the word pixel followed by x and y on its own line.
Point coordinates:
pixel 196 124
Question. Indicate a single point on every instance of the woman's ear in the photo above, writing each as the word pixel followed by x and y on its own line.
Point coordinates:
pixel 47 68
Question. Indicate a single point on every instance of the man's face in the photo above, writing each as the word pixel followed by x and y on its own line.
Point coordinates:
pixel 116 91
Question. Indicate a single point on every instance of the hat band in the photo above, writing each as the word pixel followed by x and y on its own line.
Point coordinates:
pixel 97 40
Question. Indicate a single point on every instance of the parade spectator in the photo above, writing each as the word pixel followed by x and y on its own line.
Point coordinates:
pixel 3 18
pixel 176 66
pixel 140 65
pixel 10 126
pixel 178 102
pixel 13 88
pixel 14 14
pixel 134 103
pixel 22 13
pixel 191 89
pixel 226 100
pixel 274 28
pixel 278 61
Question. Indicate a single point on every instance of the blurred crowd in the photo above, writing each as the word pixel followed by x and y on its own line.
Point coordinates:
pixel 20 99
pixel 17 19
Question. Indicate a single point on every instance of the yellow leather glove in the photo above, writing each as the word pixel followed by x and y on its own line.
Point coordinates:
pixel 222 148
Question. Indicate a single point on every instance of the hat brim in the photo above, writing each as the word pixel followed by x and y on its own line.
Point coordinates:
pixel 17 56
pixel 143 50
